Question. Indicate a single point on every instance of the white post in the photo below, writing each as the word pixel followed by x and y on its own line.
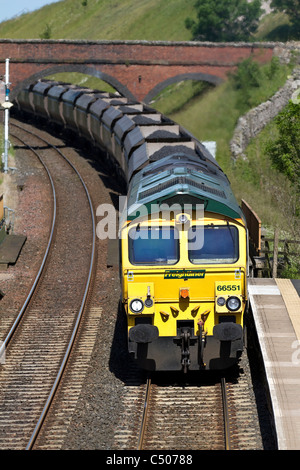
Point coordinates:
pixel 6 116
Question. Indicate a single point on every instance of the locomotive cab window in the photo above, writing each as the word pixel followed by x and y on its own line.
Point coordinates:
pixel 213 244
pixel 153 245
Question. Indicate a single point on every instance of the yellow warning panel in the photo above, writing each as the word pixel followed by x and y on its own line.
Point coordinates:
pixel 292 302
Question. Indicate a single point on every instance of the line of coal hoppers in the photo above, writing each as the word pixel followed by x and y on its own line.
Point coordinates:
pixel 132 133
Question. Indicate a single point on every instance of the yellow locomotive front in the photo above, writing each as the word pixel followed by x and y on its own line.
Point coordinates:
pixel 184 290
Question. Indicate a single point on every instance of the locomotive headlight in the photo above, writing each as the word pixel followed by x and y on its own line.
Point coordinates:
pixel 136 306
pixel 233 304
pixel 221 301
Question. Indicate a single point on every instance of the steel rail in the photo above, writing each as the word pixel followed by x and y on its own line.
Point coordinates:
pixel 10 334
pixel 144 416
pixel 49 400
pixel 226 414
pixel 79 316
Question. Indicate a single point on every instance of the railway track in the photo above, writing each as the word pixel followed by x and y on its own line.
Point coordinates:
pixel 211 413
pixel 39 341
pixel 186 418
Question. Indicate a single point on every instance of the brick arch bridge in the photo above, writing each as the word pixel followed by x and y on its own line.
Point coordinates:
pixel 137 69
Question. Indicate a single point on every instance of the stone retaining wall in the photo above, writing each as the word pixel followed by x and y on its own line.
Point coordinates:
pixel 256 119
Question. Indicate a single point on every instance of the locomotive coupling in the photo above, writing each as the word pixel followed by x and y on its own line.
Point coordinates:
pixel 186 339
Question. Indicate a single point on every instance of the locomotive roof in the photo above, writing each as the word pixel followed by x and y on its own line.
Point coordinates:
pixel 183 179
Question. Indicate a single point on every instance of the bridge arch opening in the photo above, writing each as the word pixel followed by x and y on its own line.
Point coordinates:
pixel 82 80
pixel 80 75
pixel 175 96
pixel 192 77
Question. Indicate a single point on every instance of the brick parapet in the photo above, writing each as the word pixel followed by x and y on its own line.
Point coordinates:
pixel 125 64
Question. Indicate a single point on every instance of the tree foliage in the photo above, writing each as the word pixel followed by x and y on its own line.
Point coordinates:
pixel 46 34
pixel 253 81
pixel 285 150
pixel 291 8
pixel 225 20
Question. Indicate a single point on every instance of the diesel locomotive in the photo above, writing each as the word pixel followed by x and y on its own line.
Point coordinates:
pixel 183 237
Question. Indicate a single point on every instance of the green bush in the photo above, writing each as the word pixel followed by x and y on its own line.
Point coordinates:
pixel 46 34
pixel 254 83
pixel 285 150
pixel 291 272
